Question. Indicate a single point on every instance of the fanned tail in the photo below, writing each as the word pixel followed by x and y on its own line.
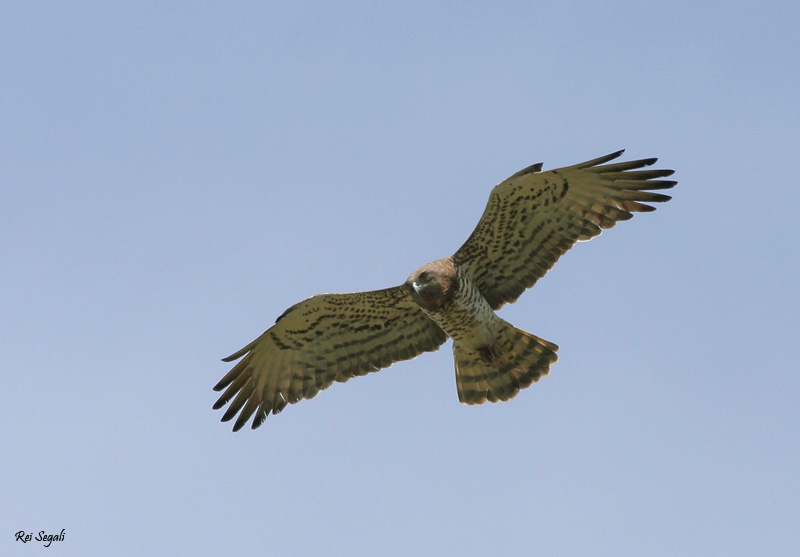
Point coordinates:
pixel 499 372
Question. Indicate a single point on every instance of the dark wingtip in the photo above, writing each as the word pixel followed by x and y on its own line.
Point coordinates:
pixel 532 169
pixel 612 156
pixel 600 160
pixel 239 353
pixel 257 421
pixel 225 417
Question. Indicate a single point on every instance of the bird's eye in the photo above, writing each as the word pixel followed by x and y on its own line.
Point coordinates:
pixel 423 277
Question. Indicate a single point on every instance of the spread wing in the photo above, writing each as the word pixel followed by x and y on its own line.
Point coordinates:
pixel 533 217
pixel 326 338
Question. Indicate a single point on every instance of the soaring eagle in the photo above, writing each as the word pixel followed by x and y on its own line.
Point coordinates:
pixel 531 219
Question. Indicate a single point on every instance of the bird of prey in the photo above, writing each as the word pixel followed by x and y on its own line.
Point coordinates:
pixel 531 219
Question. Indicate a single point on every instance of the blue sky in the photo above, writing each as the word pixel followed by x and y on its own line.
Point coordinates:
pixel 175 175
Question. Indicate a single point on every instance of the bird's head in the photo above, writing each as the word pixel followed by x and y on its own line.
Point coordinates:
pixel 434 285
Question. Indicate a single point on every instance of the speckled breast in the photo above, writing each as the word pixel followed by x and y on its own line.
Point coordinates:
pixel 469 315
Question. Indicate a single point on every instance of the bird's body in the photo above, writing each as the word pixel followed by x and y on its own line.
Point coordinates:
pixel 464 315
pixel 531 219
pixel 494 360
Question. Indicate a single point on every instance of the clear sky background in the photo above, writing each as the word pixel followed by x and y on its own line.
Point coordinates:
pixel 175 175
